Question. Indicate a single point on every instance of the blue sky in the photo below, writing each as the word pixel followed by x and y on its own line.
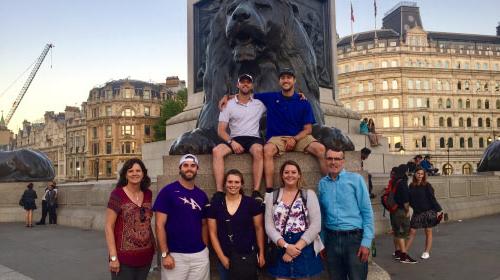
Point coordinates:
pixel 97 41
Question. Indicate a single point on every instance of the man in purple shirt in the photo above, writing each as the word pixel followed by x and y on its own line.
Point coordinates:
pixel 181 226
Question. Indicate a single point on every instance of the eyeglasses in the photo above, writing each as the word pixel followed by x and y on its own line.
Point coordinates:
pixel 142 214
pixel 334 159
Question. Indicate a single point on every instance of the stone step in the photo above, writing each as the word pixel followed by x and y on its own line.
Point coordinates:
pixel 360 141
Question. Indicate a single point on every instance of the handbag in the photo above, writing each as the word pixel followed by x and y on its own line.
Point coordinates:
pixel 21 202
pixel 241 266
pixel 273 252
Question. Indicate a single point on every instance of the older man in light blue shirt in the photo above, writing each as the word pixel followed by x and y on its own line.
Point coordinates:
pixel 347 218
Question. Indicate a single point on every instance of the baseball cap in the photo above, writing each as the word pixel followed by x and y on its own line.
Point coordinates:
pixel 188 157
pixel 245 77
pixel 288 71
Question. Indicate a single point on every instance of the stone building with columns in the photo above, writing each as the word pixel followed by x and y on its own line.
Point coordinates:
pixel 428 92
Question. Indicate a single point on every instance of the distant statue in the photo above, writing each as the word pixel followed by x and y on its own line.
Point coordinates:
pixel 490 160
pixel 258 38
pixel 25 166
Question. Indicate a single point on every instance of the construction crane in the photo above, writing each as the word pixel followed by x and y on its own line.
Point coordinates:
pixel 28 82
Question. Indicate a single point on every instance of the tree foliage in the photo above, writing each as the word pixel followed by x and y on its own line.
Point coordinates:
pixel 169 109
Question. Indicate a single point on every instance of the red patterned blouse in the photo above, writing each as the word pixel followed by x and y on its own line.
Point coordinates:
pixel 133 234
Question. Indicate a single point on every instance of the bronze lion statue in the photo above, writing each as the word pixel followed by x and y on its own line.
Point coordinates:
pixel 25 166
pixel 258 37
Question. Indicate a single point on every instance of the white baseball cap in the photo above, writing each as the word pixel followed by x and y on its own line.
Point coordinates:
pixel 188 157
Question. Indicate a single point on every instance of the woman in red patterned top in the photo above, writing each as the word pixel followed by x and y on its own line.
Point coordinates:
pixel 128 223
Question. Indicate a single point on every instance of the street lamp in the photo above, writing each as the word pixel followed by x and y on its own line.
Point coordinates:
pixel 78 174
pixel 402 150
pixel 97 169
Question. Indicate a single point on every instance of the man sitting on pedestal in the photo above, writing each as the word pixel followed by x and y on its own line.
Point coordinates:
pixel 241 115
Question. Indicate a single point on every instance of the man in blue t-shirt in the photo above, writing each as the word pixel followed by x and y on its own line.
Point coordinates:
pixel 181 226
pixel 289 125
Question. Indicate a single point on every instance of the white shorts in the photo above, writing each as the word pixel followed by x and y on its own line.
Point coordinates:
pixel 194 266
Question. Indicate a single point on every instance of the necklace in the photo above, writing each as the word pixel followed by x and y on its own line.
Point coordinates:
pixel 136 195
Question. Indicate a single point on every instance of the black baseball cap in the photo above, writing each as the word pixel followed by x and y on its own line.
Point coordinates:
pixel 245 77
pixel 288 71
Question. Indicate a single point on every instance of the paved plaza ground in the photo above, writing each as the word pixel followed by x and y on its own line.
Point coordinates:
pixel 463 250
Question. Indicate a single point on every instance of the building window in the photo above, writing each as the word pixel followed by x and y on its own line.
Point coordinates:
pixel 459 85
pixel 387 122
pixel 360 87
pixel 440 103
pixel 450 143
pixel 467 169
pixel 470 143
pixel 485 66
pixel 488 122
pixel 128 93
pixel 394 63
pixel 370 86
pixel 128 113
pixel 415 121
pixel 469 122
pixel 395 103
pixel 395 121
pixel 460 104
pixel 448 103
pixel 498 104
pixel 424 121
pixel 481 142
pixel 147 130
pixel 461 122
pixel 418 84
pixel 426 85
pixel 439 85
pixel 424 141
pixel 467 104
pixel 146 94
pixel 361 105
pixel 441 142
pixel 446 85
pixel 94 132
pixel 462 142
pixel 128 130
pixel 447 169
pixel 109 131
pixel 384 64
pixel 95 148
pixel 467 87
pixel 128 147
pixel 394 84
pixel 498 122
pixel 486 104
pixel 147 111
pixel 108 111
pixel 371 105
pixel 449 122
pixel 359 67
pixel 108 168
pixel 409 84
pixel 108 148
pixel 410 102
pixel 385 104
pixel 385 85
pixel 480 122
pixel 397 142
pixel 441 122
pixel 489 140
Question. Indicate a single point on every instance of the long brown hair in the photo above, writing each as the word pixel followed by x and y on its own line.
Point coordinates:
pixel 414 181
pixel 300 182
pixel 235 172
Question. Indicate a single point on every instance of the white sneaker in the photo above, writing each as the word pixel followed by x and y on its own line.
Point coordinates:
pixel 425 255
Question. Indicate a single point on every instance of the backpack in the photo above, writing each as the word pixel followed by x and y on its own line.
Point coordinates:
pixel 387 198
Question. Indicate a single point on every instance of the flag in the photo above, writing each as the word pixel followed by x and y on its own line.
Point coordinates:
pixel 375 6
pixel 352 13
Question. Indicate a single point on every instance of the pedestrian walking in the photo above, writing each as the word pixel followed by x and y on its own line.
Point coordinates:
pixel 129 235
pixel 427 212
pixel 236 229
pixel 293 223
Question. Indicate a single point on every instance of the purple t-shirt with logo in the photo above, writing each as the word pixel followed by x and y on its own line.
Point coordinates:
pixel 185 210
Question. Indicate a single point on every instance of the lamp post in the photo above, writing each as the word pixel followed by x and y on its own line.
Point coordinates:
pixel 97 169
pixel 78 174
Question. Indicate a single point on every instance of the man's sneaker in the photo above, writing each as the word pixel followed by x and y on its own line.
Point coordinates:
pixel 396 255
pixel 405 258
pixel 257 196
pixel 425 255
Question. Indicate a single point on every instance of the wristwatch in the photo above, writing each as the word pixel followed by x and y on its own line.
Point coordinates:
pixel 229 141
pixel 113 258
pixel 164 254
pixel 285 246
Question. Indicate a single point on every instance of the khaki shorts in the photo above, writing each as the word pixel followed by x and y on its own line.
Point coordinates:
pixel 301 146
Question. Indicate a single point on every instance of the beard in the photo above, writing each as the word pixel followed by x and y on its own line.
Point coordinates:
pixel 188 177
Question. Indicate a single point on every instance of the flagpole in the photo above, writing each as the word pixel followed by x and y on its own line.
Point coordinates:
pixel 352 32
pixel 375 23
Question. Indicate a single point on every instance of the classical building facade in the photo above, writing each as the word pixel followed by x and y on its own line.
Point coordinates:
pixel 119 119
pixel 76 144
pixel 428 92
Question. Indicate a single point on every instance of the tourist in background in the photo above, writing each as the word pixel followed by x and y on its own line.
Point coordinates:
pixel 129 235
pixel 51 202
pixel 236 229
pixel 426 210
pixel 293 223
pixel 45 209
pixel 28 203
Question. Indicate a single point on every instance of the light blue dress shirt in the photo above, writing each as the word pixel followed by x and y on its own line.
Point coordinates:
pixel 345 204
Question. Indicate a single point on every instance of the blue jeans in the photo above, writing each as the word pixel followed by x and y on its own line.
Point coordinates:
pixel 223 272
pixel 342 260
